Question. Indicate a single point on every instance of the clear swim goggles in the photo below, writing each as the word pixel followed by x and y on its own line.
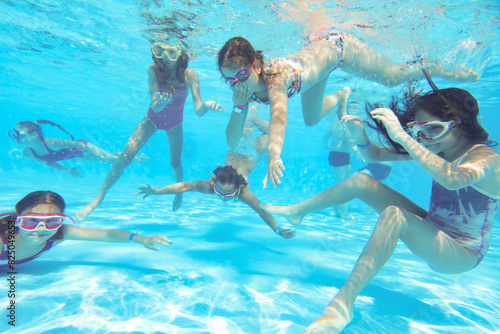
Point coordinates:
pixel 429 130
pixel 172 52
pixel 31 221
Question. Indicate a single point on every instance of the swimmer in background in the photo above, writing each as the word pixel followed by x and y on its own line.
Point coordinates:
pixel 339 141
pixel 230 182
pixel 38 225
pixel 170 80
pixel 306 72
pixel 441 132
pixel 51 150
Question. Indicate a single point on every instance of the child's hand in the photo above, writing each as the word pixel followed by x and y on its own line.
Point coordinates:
pixel 74 172
pixel 274 173
pixel 147 190
pixel 355 125
pixel 214 106
pixel 391 123
pixel 156 239
pixel 162 99
pixel 240 94
pixel 286 232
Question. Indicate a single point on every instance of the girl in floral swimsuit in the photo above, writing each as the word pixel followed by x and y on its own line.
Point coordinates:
pixel 170 79
pixel 441 132
pixel 305 72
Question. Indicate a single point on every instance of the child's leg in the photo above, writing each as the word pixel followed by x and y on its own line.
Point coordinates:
pixel 362 186
pixel 315 106
pixel 139 137
pixel 175 138
pixel 425 240
pixel 94 153
pixel 367 63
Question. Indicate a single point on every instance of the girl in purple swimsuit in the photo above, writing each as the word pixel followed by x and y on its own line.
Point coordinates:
pixel 51 150
pixel 306 72
pixel 441 132
pixel 38 225
pixel 170 79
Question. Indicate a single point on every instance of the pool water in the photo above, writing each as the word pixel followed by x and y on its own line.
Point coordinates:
pixel 83 65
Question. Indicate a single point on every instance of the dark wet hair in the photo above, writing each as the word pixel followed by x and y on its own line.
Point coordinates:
pixel 227 174
pixel 163 73
pixel 238 50
pixel 34 127
pixel 447 104
pixel 33 199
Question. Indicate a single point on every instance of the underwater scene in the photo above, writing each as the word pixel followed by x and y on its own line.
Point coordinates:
pixel 161 174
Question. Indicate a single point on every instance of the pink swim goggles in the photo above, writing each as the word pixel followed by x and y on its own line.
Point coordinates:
pixel 31 221
pixel 223 196
pixel 429 130
pixel 241 76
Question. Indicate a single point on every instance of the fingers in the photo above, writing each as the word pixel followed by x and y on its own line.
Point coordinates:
pixel 214 106
pixel 166 241
pixel 276 174
pixel 266 179
pixel 157 239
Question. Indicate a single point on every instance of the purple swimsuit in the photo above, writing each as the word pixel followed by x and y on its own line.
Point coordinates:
pixel 62 154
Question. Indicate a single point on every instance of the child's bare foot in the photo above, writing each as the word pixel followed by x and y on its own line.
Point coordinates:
pixel 141 158
pixel 87 209
pixel 284 211
pixel 346 92
pixel 333 319
pixel 177 202
pixel 459 74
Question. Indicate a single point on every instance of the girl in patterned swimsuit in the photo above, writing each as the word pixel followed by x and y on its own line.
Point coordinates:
pixel 305 72
pixel 170 79
pixel 38 225
pixel 51 150
pixel 441 132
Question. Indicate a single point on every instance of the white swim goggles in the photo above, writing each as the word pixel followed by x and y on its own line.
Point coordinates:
pixel 171 52
pixel 429 130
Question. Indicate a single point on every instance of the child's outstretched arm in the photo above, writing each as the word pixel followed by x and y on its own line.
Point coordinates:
pixel 118 236
pixel 204 186
pixel 249 198
pixel 200 107
pixel 277 130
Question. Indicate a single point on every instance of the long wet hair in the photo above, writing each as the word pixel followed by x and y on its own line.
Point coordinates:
pixel 228 174
pixel 446 104
pixel 239 51
pixel 34 127
pixel 163 73
pixel 31 200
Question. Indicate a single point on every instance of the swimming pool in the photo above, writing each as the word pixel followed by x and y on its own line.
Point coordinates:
pixel 83 64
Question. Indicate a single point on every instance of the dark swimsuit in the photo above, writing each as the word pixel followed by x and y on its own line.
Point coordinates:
pixel 62 154
pixel 4 255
